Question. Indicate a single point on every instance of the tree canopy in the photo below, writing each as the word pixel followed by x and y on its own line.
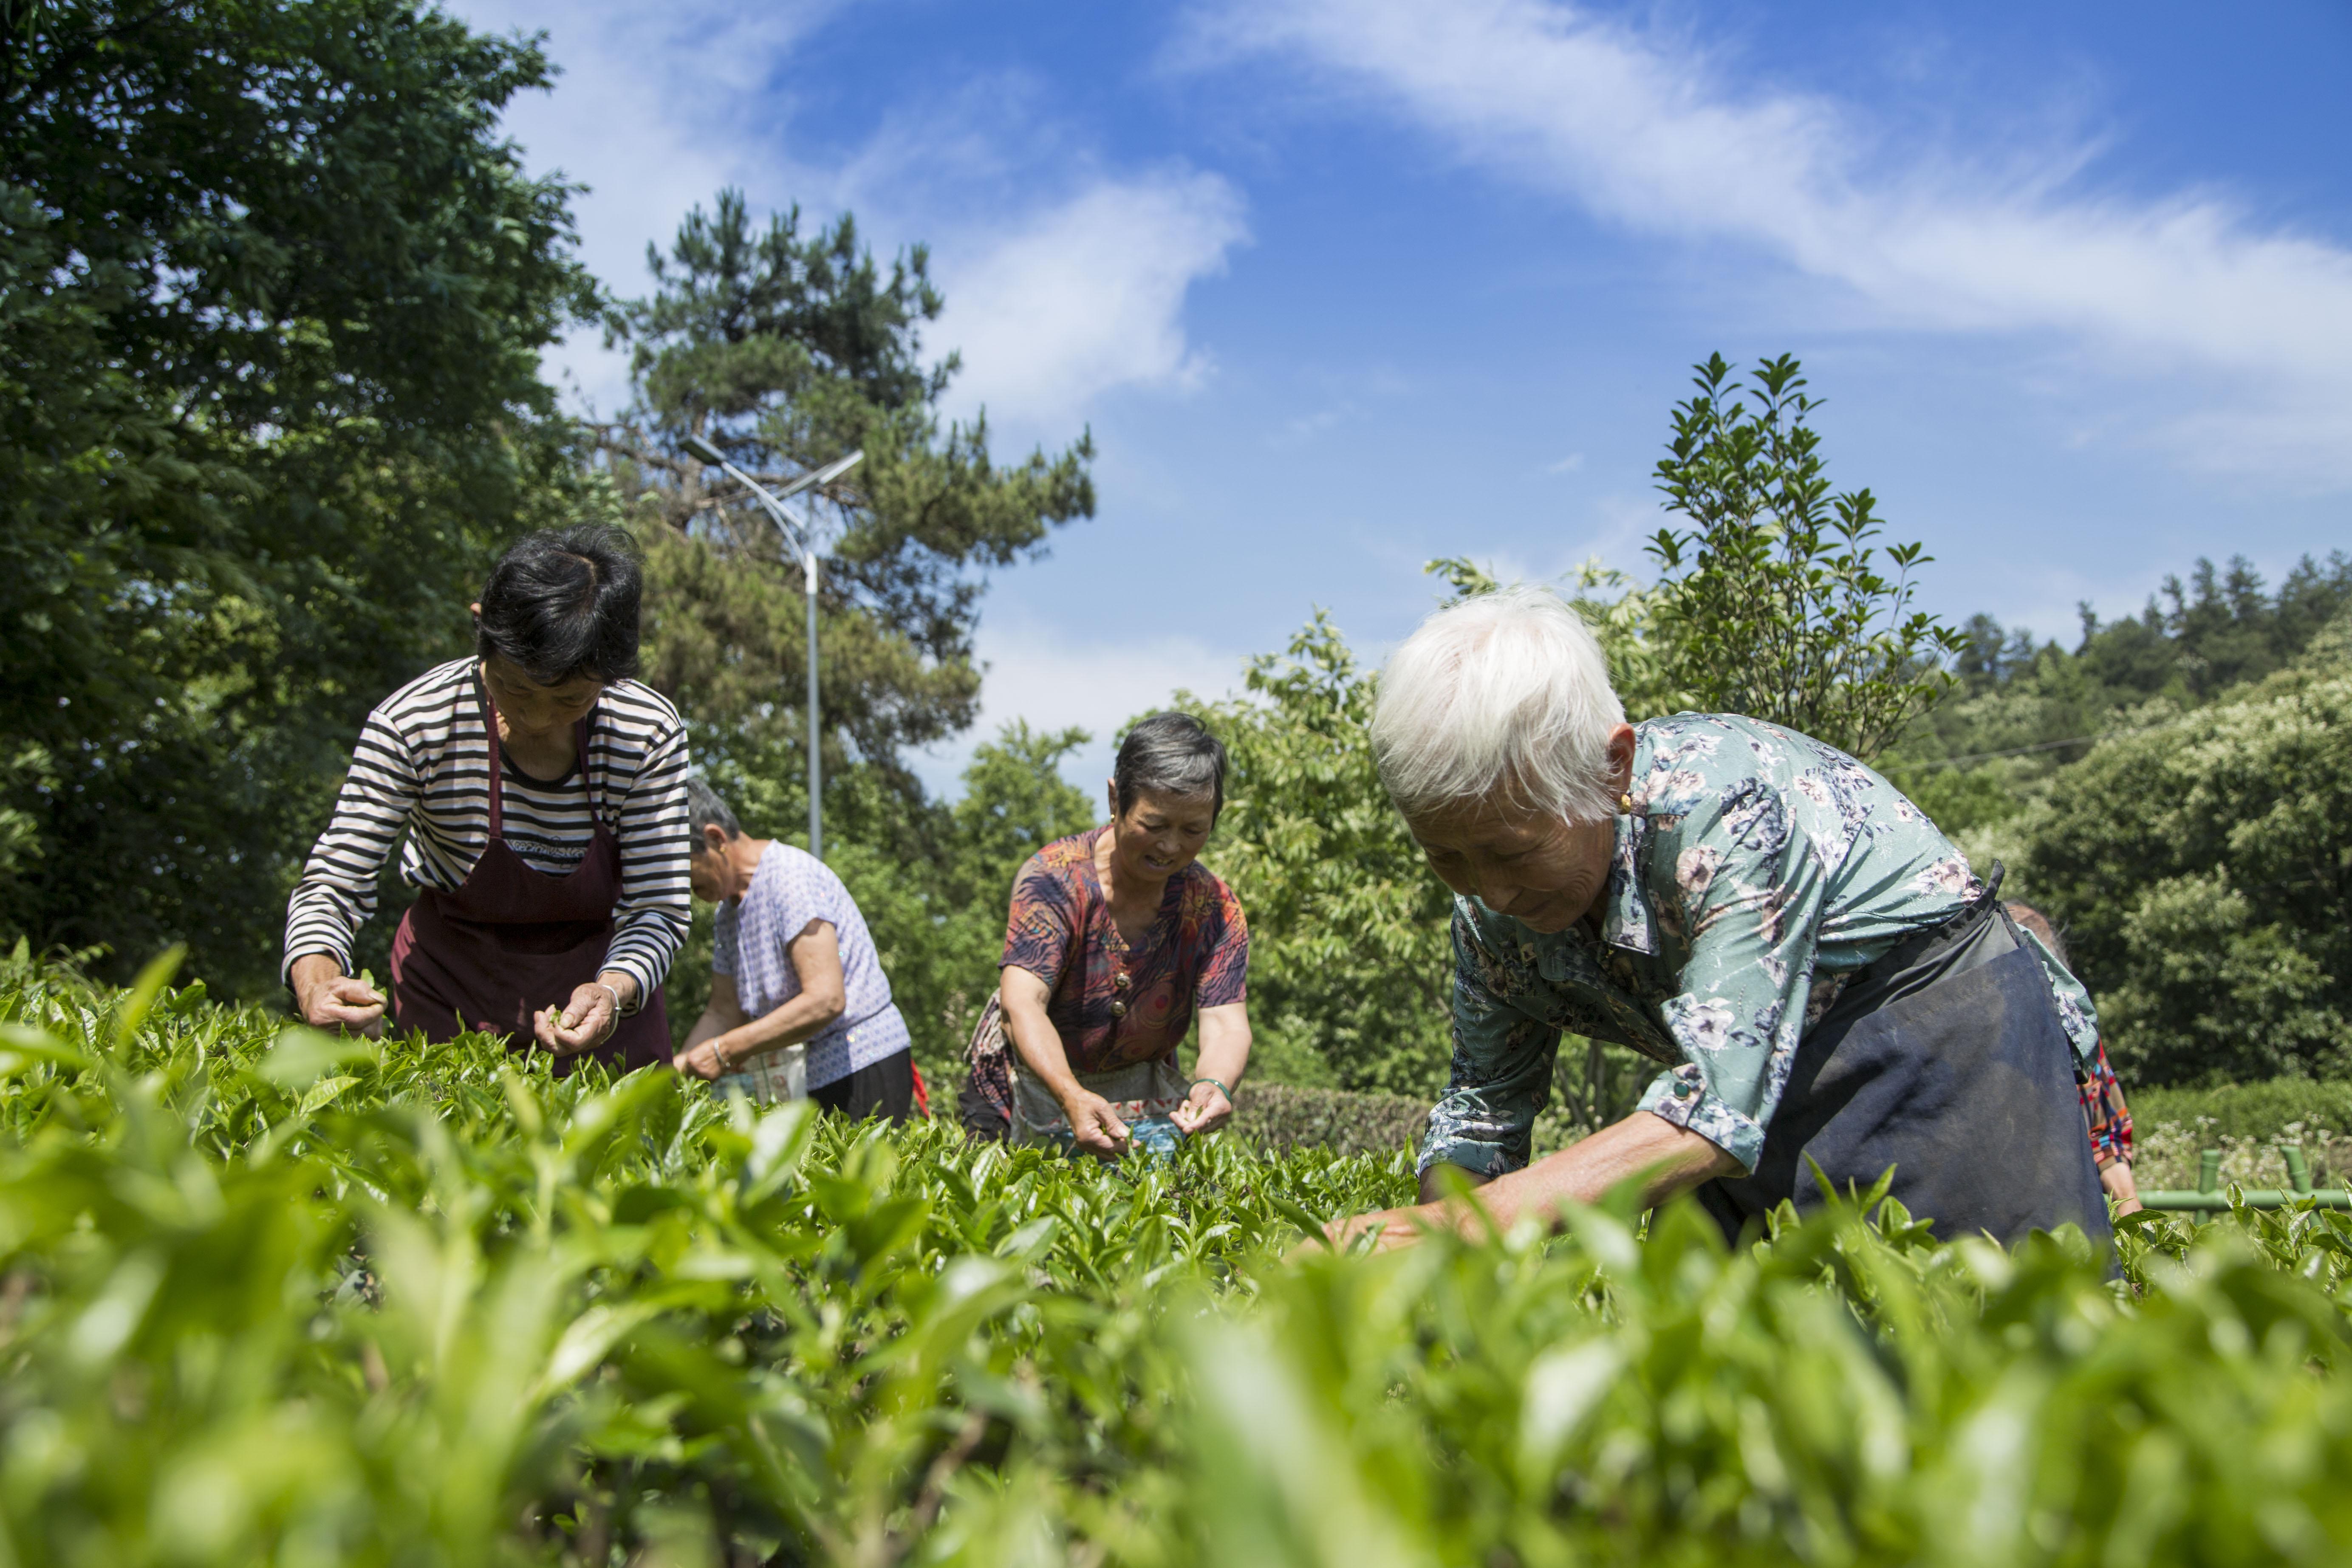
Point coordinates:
pixel 272 293
pixel 2203 867
pixel 1772 602
pixel 787 350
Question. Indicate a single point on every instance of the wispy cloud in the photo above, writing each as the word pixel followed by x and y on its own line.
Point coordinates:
pixel 1065 279
pixel 1085 295
pixel 1055 680
pixel 1646 130
pixel 656 109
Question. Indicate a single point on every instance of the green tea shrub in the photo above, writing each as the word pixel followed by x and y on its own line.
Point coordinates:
pixel 271 1297
pixel 1289 1116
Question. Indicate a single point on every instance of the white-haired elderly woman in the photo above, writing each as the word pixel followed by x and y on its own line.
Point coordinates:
pixel 1819 972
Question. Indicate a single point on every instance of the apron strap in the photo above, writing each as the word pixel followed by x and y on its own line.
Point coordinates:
pixel 580 761
pixel 580 752
pixel 490 724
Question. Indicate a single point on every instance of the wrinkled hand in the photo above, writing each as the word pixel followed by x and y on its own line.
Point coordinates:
pixel 1204 1110
pixel 586 1021
pixel 705 1062
pixel 1397 1227
pixel 1095 1125
pixel 330 999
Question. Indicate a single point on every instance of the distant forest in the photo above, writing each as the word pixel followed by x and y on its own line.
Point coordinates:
pixel 2024 708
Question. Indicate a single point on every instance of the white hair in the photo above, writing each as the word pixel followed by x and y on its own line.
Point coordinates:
pixel 1504 696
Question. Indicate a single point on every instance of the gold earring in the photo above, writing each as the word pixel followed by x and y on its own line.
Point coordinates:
pixel 1626 803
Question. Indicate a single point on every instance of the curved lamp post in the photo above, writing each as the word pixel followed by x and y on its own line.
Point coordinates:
pixel 802 539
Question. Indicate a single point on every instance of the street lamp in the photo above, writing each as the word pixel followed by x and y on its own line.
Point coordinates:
pixel 802 539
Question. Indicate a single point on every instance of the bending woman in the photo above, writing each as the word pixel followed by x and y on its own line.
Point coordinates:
pixel 542 792
pixel 1118 937
pixel 1822 976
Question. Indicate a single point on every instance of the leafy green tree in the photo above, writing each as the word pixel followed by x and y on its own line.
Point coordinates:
pixel 1771 601
pixel 1350 978
pixel 786 352
pixel 272 293
pixel 2026 711
pixel 1625 618
pixel 2203 868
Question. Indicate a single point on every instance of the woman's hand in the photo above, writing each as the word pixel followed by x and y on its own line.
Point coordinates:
pixel 1397 1227
pixel 330 999
pixel 1094 1125
pixel 587 1020
pixel 1203 1110
pixel 705 1062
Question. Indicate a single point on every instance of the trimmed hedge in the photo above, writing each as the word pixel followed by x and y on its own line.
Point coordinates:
pixel 2261 1109
pixel 2246 1122
pixel 1287 1116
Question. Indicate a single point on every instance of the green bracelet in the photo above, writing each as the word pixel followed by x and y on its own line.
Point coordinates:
pixel 1220 1088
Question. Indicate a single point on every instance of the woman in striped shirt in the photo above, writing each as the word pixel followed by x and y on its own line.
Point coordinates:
pixel 542 792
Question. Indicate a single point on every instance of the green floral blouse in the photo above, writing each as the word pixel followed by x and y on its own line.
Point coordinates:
pixel 1757 870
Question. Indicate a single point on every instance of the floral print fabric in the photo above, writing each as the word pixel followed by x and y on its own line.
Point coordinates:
pixel 1113 1005
pixel 2103 1111
pixel 1757 870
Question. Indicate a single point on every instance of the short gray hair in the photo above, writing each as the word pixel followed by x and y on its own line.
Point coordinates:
pixel 1170 753
pixel 705 809
pixel 1505 695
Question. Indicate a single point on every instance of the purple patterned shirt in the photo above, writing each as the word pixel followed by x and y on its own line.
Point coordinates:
pixel 789 888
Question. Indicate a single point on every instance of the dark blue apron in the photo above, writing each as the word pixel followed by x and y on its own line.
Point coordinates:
pixel 1944 1060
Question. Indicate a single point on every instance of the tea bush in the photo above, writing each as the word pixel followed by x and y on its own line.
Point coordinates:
pixel 269 1297
pixel 1284 1116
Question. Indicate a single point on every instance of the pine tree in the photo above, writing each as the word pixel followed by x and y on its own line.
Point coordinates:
pixel 785 352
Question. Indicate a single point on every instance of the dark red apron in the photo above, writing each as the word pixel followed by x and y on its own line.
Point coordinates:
pixel 512 940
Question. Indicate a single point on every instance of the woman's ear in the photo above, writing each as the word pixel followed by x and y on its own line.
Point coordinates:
pixel 1110 797
pixel 476 608
pixel 1621 758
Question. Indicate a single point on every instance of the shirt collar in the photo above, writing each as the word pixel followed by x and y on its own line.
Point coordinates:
pixel 1626 921
pixel 1626 917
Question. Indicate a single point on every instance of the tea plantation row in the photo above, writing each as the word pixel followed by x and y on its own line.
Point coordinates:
pixel 273 1297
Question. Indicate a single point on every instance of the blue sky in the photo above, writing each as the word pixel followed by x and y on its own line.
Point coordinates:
pixel 1342 286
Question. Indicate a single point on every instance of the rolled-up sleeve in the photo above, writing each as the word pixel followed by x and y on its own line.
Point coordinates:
pixel 1502 1072
pixel 337 893
pixel 1751 891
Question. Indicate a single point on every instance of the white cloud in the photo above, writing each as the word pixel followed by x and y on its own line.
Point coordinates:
pixel 1086 295
pixel 1042 674
pixel 656 109
pixel 1646 131
pixel 1053 299
pixel 1567 465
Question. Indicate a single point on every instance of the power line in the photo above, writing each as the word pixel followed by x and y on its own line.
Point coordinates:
pixel 2020 750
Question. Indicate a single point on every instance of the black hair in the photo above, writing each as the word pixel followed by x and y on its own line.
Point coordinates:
pixel 705 809
pixel 1170 753
pixel 563 604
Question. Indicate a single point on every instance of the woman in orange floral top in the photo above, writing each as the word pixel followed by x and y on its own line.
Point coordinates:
pixel 1118 937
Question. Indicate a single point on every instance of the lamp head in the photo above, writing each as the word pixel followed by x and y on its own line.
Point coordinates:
pixel 702 449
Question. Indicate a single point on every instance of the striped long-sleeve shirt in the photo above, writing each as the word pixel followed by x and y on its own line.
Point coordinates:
pixel 423 765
